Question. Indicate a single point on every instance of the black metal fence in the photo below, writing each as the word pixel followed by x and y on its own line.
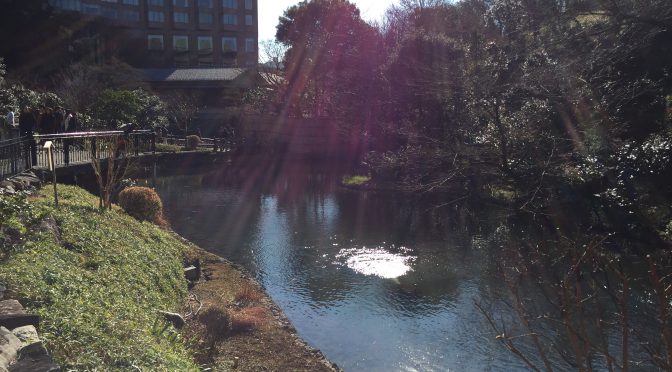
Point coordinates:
pixel 18 155
pixel 14 156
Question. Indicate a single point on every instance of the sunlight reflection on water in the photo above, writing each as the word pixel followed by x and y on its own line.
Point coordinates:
pixel 375 261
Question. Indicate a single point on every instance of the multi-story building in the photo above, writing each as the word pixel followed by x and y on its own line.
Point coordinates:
pixel 182 33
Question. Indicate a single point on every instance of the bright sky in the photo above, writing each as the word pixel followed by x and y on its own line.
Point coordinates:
pixel 271 10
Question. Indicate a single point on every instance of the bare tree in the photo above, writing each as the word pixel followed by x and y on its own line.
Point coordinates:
pixel 80 84
pixel 274 54
pixel 114 151
pixel 182 108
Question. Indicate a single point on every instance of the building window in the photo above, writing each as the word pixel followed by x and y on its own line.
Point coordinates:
pixel 250 44
pixel 130 15
pixel 249 20
pixel 229 44
pixel 205 43
pixel 230 19
pixel 156 2
pixel 205 18
pixel 155 42
pixel 157 17
pixel 181 17
pixel 108 12
pixel 109 1
pixel 90 9
pixel 131 2
pixel 182 3
pixel 205 4
pixel 181 43
pixel 230 4
pixel 248 4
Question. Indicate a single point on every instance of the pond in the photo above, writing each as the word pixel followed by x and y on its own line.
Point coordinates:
pixel 377 282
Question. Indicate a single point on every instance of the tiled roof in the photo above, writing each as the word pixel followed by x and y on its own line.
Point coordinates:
pixel 191 74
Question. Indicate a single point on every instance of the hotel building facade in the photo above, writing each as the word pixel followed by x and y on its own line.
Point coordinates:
pixel 182 33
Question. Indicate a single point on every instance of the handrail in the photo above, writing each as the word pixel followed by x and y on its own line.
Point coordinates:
pixel 89 134
pixel 13 141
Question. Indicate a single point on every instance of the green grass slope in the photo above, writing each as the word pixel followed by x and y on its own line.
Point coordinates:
pixel 97 279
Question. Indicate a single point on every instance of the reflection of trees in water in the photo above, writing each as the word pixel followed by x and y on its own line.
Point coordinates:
pixel 575 304
pixel 553 288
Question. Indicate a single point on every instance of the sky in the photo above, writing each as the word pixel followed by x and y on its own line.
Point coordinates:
pixel 271 10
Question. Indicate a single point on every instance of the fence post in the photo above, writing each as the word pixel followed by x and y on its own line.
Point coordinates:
pixel 93 148
pixel 33 150
pixel 153 143
pixel 15 149
pixel 66 151
pixel 136 144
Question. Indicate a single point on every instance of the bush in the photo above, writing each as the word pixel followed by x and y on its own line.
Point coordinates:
pixel 142 203
pixel 163 147
pixel 192 142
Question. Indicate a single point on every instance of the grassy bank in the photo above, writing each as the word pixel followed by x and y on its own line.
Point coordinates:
pixel 97 279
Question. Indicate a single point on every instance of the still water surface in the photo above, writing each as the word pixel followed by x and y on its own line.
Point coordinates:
pixel 377 282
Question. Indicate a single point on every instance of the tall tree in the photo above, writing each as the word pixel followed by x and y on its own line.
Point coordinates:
pixel 329 61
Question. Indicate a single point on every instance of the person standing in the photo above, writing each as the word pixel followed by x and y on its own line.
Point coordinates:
pixel 66 121
pixel 10 119
pixel 11 124
pixel 58 117
pixel 27 124
pixel 73 124
pixel 66 141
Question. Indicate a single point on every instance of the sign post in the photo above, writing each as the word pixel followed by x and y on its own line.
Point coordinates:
pixel 49 146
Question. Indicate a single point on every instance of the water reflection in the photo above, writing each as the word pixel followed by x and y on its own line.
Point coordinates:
pixel 375 261
pixel 377 282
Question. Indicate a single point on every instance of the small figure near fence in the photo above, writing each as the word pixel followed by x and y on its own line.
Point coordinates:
pixel 10 119
pixel 27 122
pixel 8 126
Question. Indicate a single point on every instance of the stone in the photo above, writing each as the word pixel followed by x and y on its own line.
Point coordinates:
pixel 176 319
pixel 11 307
pixel 27 334
pixel 9 346
pixel 28 180
pixel 192 273
pixel 33 350
pixel 34 357
pixel 9 190
pixel 12 315
pixel 12 321
pixel 18 186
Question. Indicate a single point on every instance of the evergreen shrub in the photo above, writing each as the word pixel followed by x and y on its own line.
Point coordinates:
pixel 143 203
pixel 192 142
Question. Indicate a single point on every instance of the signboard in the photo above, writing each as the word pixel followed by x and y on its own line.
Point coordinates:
pixel 49 146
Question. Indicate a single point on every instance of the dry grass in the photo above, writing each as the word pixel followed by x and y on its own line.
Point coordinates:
pixel 249 319
pixel 255 339
pixel 248 295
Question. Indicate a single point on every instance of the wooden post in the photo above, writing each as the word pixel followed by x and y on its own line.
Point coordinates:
pixel 49 146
